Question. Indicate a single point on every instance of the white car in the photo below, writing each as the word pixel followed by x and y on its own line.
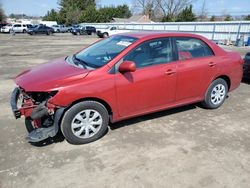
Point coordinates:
pixel 18 28
pixel 103 33
pixel 60 28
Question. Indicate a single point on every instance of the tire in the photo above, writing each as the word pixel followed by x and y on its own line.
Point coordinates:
pixel 24 31
pixel 105 35
pixel 28 124
pixel 216 94
pixel 49 33
pixel 77 125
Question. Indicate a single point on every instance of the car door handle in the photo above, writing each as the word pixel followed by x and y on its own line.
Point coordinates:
pixel 170 72
pixel 211 64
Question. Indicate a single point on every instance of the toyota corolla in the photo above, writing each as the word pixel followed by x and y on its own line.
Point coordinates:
pixel 120 77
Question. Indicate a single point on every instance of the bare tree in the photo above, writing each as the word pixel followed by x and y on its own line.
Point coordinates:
pixel 171 8
pixel 204 12
pixel 161 8
pixel 146 7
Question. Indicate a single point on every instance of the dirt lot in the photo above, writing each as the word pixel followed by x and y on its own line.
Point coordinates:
pixel 183 147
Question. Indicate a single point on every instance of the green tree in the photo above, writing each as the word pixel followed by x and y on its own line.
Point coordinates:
pixel 228 18
pixel 168 18
pixel 71 10
pixel 77 11
pixel 122 11
pixel 107 13
pixel 212 19
pixel 186 15
pixel 247 17
pixel 90 15
pixel 51 15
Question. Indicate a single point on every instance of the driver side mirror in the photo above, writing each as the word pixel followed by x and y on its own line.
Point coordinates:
pixel 127 66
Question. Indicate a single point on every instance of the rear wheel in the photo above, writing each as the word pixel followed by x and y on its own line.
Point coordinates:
pixel 105 35
pixel 85 122
pixel 216 94
pixel 24 31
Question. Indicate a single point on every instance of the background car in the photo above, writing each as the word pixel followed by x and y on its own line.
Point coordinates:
pixel 2 24
pixel 103 33
pixel 41 29
pixel 17 28
pixel 246 66
pixel 120 77
pixel 60 28
pixel 85 30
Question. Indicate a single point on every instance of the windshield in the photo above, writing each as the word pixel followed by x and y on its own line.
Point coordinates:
pixel 102 52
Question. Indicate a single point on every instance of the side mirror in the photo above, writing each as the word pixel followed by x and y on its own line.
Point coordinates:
pixel 127 66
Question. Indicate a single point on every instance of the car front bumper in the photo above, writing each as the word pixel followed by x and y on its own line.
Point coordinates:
pixel 13 102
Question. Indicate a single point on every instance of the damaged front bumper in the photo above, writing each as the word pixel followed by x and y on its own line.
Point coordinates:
pixel 36 113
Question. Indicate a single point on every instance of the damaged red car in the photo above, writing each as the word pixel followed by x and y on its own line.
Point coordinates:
pixel 120 77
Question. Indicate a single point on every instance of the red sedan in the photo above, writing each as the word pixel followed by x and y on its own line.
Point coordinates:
pixel 120 77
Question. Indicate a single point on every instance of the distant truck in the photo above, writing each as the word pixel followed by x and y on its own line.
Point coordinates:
pixel 103 33
pixel 60 28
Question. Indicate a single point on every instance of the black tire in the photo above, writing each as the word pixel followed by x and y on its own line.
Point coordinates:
pixel 75 110
pixel 105 35
pixel 49 32
pixel 208 102
pixel 28 124
pixel 24 31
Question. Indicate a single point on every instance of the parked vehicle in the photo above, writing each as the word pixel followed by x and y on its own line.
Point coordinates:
pixel 103 33
pixel 86 30
pixel 120 77
pixel 17 28
pixel 60 28
pixel 2 24
pixel 41 29
pixel 246 66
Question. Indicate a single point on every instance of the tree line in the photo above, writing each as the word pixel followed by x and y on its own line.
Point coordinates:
pixel 77 11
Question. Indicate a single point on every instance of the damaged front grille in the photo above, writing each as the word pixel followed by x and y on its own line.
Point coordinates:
pixel 39 97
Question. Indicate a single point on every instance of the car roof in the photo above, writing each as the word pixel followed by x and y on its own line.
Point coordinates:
pixel 156 34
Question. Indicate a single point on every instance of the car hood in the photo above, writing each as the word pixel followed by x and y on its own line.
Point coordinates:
pixel 50 76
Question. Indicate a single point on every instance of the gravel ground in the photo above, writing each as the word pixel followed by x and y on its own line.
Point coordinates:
pixel 183 147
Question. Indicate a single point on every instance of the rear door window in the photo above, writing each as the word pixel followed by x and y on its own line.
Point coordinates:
pixel 189 48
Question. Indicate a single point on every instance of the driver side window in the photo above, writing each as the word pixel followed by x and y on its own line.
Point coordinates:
pixel 153 52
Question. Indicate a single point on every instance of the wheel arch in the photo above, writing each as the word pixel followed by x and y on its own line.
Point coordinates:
pixel 226 78
pixel 103 102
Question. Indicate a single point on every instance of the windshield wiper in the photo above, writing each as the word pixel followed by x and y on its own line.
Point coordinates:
pixel 84 63
pixel 80 61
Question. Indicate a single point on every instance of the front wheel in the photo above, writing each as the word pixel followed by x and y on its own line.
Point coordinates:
pixel 85 122
pixel 216 94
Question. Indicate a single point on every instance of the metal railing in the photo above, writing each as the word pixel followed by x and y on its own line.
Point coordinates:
pixel 231 30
